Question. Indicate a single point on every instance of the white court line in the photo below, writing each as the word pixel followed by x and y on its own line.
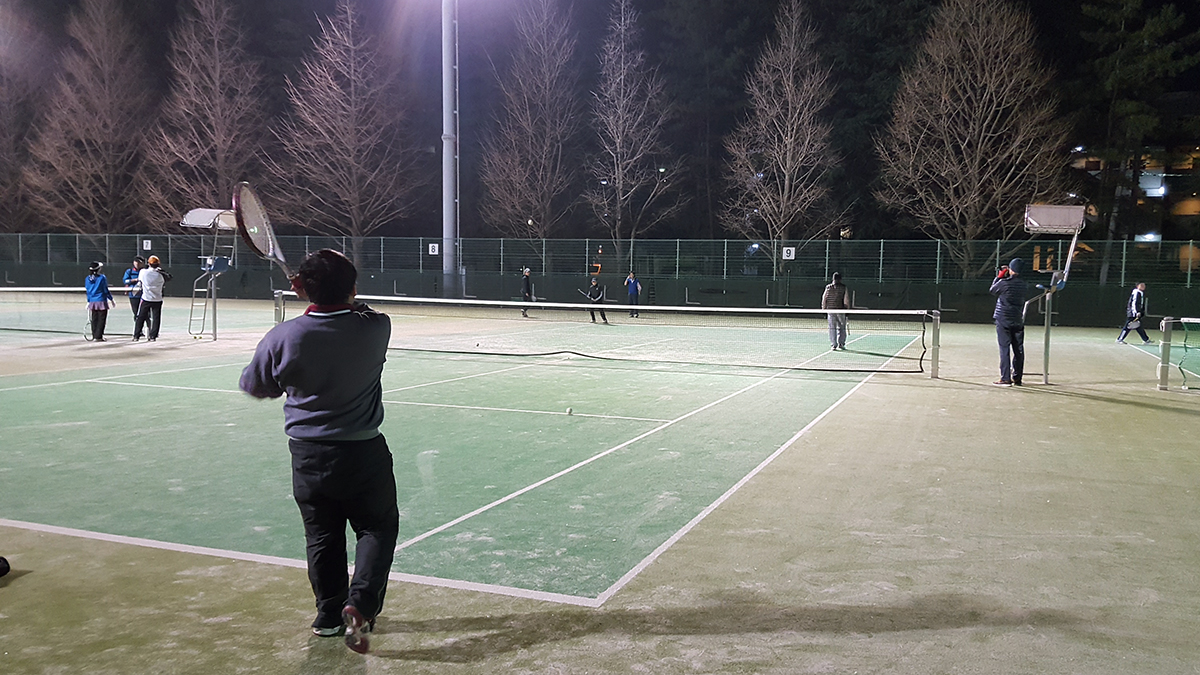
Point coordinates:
pixel 662 548
pixel 458 584
pixel 150 543
pixel 166 386
pixel 295 564
pixel 509 497
pixel 115 377
pixel 457 379
pixel 519 410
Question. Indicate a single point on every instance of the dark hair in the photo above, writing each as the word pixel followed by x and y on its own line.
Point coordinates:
pixel 139 259
pixel 837 276
pixel 328 277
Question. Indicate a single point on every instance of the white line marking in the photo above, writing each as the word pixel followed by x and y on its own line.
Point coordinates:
pixel 457 379
pixel 662 548
pixel 150 543
pixel 519 410
pixel 509 497
pixel 296 564
pixel 115 377
pixel 165 386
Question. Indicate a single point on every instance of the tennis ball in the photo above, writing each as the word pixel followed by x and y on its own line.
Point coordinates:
pixel 4 568
pixel 568 411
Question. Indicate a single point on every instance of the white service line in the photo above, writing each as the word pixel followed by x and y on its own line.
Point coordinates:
pixel 456 379
pixel 509 497
pixel 519 410
pixel 166 386
pixel 115 377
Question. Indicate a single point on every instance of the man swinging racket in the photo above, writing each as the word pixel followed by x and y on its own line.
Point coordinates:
pixel 328 363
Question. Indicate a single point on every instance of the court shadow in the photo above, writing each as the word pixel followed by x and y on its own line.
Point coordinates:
pixel 12 576
pixel 487 636
pixel 1060 392
pixel 329 656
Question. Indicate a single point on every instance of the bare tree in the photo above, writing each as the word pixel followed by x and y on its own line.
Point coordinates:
pixel 24 62
pixel 210 128
pixel 630 190
pixel 345 168
pixel 974 136
pixel 88 146
pixel 781 155
pixel 527 166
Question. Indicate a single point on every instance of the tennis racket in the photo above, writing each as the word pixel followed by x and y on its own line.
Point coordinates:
pixel 255 228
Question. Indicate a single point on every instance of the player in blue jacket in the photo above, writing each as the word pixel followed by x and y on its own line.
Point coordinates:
pixel 99 300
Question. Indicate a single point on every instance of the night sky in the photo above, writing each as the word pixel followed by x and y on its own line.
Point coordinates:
pixel 281 32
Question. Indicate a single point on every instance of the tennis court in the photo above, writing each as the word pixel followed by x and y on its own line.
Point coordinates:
pixel 766 510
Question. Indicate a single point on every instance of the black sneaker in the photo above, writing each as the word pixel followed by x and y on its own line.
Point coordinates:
pixel 358 630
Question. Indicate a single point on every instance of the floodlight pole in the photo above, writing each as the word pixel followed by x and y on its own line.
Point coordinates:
pixel 450 148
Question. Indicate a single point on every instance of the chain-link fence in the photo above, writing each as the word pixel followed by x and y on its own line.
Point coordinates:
pixel 1118 263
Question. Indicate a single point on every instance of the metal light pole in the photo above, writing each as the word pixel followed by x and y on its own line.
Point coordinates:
pixel 450 148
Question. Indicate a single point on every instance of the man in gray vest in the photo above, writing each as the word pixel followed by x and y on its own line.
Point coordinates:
pixel 836 296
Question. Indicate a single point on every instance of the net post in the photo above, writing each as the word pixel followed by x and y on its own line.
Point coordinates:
pixel 935 344
pixel 1164 347
pixel 278 306
pixel 1046 341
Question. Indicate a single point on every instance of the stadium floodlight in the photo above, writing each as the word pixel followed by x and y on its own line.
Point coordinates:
pixel 1053 220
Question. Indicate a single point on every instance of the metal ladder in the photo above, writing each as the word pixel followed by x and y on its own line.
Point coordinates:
pixel 204 288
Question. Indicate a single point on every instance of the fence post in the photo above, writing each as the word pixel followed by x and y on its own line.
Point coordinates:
pixel 826 259
pixel 1191 262
pixel 998 263
pixel 937 279
pixel 20 251
pixel 1124 247
pixel 725 261
pixel 676 258
pixel 420 254
pixel 502 255
pixel 881 261
pixel 381 254
pixel 47 248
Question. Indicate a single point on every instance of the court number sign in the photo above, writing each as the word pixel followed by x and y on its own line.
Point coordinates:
pixel 434 248
pixel 789 252
pixel 145 244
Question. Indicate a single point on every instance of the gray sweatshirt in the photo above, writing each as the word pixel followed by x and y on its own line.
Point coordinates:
pixel 328 362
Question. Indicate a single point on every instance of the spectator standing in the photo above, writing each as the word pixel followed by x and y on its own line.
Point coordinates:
pixel 633 287
pixel 835 297
pixel 151 280
pixel 130 281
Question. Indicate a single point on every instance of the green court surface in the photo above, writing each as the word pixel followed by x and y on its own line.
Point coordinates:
pixel 683 518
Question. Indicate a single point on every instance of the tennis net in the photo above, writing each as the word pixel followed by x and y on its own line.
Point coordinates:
pixel 878 340
pixel 59 309
pixel 1179 350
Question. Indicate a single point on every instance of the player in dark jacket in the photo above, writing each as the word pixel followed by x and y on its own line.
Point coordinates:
pixel 1135 311
pixel 596 295
pixel 526 289
pixel 328 361
pixel 1009 289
